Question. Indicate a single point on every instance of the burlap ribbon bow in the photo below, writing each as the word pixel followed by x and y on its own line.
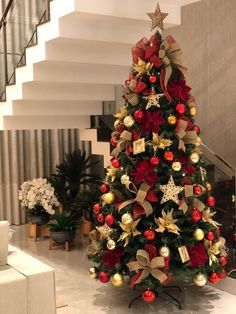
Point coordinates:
pixel 196 202
pixel 94 247
pixel 147 267
pixel 140 198
pixel 185 137
pixel 122 144
pixel 129 92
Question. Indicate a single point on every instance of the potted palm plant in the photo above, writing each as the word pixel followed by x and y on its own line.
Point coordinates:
pixel 63 227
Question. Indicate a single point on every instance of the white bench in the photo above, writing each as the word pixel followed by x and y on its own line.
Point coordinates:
pixel 27 286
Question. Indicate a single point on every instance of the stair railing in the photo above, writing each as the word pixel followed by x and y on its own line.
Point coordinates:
pixel 8 75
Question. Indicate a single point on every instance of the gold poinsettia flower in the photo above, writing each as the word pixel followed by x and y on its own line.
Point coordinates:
pixel 142 67
pixel 123 113
pixel 167 222
pixel 111 173
pixel 212 250
pixel 159 142
pixel 207 217
pixel 129 231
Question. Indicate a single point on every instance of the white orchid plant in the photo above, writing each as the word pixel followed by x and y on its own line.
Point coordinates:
pixel 37 196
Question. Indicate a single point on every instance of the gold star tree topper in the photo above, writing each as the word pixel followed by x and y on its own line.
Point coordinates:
pixel 170 191
pixel 157 18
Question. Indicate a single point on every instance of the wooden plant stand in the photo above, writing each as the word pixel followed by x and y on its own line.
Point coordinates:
pixel 35 231
pixel 53 244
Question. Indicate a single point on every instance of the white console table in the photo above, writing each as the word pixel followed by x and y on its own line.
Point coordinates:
pixel 27 286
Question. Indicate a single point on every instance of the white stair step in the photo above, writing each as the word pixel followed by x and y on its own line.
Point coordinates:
pixel 55 71
pixel 71 91
pixel 29 107
pixel 44 122
pixel 85 51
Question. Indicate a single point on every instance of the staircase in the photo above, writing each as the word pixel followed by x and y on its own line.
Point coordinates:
pixel 82 52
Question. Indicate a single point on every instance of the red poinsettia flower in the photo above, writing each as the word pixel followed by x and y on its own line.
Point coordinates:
pixel 112 257
pixel 190 169
pixel 178 90
pixel 152 121
pixel 197 255
pixel 144 173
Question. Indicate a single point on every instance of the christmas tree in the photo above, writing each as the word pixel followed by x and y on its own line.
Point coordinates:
pixel 156 215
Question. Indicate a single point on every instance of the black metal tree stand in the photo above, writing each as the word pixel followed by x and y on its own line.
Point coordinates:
pixel 164 295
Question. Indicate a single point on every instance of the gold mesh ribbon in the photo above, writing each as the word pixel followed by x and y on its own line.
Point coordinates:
pixel 148 267
pixel 94 247
pixel 170 53
pixel 140 198
pixel 185 137
pixel 122 144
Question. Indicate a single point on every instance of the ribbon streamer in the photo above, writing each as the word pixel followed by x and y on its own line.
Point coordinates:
pixel 147 267
pixel 122 144
pixel 170 54
pixel 140 198
pixel 94 247
pixel 185 137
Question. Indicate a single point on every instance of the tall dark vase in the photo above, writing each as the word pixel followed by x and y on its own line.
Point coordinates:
pixel 40 219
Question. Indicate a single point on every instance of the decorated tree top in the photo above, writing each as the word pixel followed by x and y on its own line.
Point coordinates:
pixel 156 216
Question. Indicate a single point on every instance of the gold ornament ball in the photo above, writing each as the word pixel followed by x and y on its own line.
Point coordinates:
pixel 127 219
pixel 164 251
pixel 111 244
pixel 194 157
pixel 124 179
pixel 193 111
pixel 198 234
pixel 208 186
pixel 172 120
pixel 176 166
pixel 200 280
pixel 198 141
pixel 92 273
pixel 116 123
pixel 128 121
pixel 109 198
pixel 117 280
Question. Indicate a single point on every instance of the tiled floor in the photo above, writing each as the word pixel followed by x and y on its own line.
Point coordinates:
pixel 86 296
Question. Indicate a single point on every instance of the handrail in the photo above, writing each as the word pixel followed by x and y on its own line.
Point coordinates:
pixel 5 12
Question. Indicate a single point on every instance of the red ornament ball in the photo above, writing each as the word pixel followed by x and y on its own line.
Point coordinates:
pixel 96 208
pixel 115 163
pixel 210 236
pixel 152 79
pixel 148 295
pixel 100 218
pixel 180 108
pixel 213 277
pixel 103 276
pixel 223 261
pixel 197 190
pixel 168 155
pixel 113 141
pixel 196 129
pixel 222 274
pixel 211 201
pixel 196 215
pixel 110 220
pixel 154 161
pixel 104 188
pixel 139 115
pixel 149 234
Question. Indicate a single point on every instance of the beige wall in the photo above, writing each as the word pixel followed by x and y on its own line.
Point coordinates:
pixel 207 37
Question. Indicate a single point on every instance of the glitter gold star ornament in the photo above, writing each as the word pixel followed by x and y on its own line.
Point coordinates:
pixel 153 100
pixel 170 191
pixel 157 18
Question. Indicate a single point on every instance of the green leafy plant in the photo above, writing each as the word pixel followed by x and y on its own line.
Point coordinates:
pixel 85 200
pixel 64 221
